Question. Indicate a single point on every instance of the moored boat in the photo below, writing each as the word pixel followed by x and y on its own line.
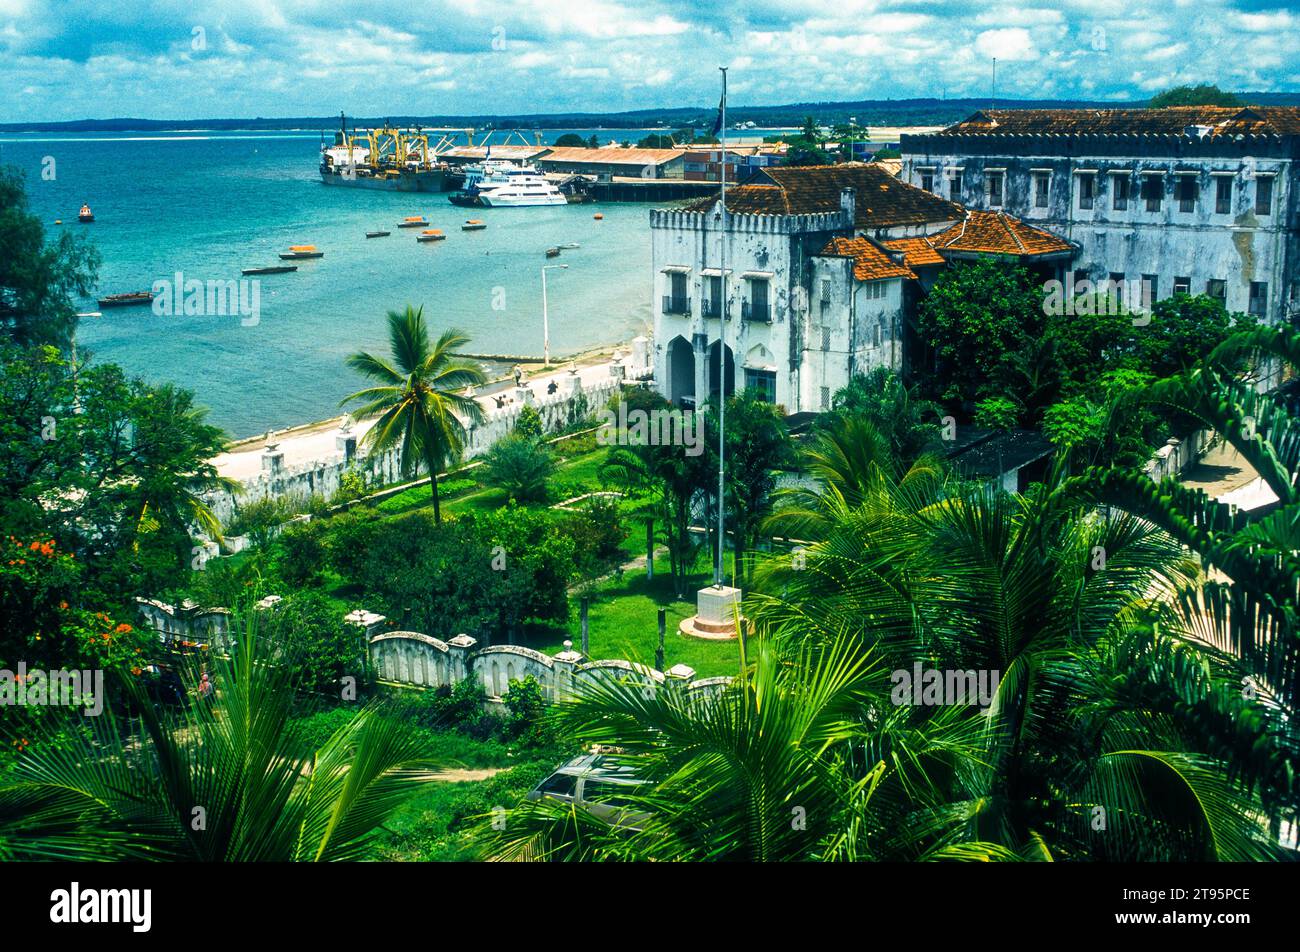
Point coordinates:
pixel 85 216
pixel 378 234
pixel 275 269
pixel 432 234
pixel 301 252
pixel 126 300
pixel 473 224
pixel 413 221
pixel 552 252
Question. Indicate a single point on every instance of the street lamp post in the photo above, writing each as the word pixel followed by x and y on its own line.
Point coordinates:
pixel 546 324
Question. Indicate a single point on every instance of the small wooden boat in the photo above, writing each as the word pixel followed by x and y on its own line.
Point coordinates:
pixel 570 244
pixel 432 234
pixel 552 252
pixel 275 269
pixel 598 216
pixel 413 221
pixel 473 224
pixel 297 252
pixel 126 300
pixel 378 234
pixel 85 216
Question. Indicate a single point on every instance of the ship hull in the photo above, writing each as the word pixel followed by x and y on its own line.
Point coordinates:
pixel 433 181
pixel 520 201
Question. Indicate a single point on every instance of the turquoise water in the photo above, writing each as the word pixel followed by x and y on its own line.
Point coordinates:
pixel 209 205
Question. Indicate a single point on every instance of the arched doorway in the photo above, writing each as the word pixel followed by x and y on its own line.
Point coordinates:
pixel 681 372
pixel 730 371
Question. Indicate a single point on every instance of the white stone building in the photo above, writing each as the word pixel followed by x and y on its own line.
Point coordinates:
pixel 813 296
pixel 1201 200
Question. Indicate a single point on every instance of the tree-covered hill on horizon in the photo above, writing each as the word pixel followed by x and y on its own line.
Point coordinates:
pixel 893 112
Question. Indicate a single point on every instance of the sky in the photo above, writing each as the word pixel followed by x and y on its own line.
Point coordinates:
pixel 180 59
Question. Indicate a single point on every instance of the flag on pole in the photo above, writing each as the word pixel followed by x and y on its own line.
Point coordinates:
pixel 717 122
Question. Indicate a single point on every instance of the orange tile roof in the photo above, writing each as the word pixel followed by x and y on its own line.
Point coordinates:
pixel 995 233
pixel 917 252
pixel 870 263
pixel 880 200
pixel 612 155
pixel 1174 120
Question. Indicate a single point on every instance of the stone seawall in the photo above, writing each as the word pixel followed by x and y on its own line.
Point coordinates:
pixel 302 467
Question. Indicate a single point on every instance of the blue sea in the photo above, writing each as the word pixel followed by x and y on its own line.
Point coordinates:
pixel 209 204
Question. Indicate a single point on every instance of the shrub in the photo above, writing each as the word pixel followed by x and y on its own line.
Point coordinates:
pixel 302 554
pixel 349 539
pixel 520 467
pixel 996 413
pixel 529 425
pixel 527 721
pixel 319 647
pixel 352 485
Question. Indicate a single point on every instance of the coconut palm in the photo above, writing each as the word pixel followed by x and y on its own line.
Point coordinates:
pixel 1076 614
pixel 1248 605
pixel 418 399
pixel 223 780
pixel 1097 741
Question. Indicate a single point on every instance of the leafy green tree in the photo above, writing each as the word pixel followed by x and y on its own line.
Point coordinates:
pixel 484 574
pixel 116 470
pixel 302 554
pixel 418 400
pixel 571 140
pixel 311 639
pixel 267 794
pixel 1204 94
pixel 520 467
pixel 975 322
pixel 1182 331
pixel 656 141
pixel 39 280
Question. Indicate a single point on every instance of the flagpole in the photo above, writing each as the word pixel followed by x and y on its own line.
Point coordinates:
pixel 718 574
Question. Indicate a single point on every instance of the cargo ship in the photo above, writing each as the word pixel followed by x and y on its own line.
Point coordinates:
pixel 399 160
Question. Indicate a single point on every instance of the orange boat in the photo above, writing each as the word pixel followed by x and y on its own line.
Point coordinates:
pixel 413 221
pixel 432 234
pixel 298 252
pixel 473 224
pixel 598 216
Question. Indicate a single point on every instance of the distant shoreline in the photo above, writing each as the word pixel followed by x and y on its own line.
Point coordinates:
pixel 885 112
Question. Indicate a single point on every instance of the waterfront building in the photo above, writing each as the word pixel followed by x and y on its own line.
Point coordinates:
pixel 811 295
pixel 825 265
pixel 1198 199
pixel 615 161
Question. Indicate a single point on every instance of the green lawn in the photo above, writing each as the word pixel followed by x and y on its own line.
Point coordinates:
pixel 623 623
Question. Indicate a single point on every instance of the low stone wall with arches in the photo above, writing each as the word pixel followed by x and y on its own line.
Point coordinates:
pixel 412 659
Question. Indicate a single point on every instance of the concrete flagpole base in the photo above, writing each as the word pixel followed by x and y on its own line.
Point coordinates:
pixel 717 613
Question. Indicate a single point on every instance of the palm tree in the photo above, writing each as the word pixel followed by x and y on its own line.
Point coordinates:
pixel 1099 741
pixel 417 398
pixel 1248 607
pixel 227 780
pixel 1096 674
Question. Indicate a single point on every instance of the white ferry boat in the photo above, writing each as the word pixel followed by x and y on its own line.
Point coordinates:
pixel 498 183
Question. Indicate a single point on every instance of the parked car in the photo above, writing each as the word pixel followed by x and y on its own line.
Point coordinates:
pixel 593 783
